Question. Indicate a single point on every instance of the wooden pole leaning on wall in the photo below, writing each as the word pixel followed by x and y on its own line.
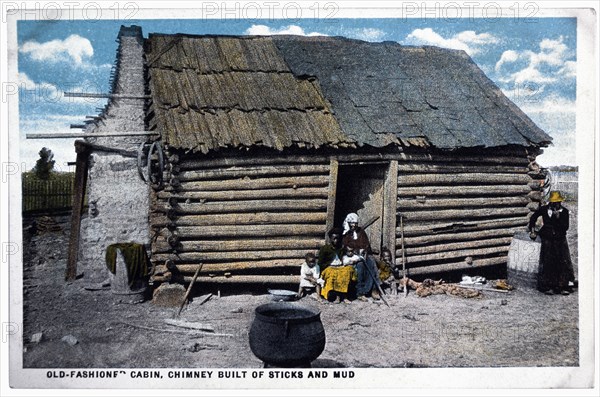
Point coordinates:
pixel 187 293
pixel 331 195
pixel 390 203
pixel 81 170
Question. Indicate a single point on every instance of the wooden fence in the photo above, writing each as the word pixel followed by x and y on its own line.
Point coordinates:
pixel 50 195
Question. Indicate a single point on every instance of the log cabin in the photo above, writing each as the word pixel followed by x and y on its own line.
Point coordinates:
pixel 252 147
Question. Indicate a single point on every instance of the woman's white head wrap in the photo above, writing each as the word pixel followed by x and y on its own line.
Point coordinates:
pixel 350 218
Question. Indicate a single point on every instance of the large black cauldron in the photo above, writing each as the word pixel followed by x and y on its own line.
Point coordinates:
pixel 287 335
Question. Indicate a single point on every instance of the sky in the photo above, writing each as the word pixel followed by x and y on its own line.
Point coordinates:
pixel 533 60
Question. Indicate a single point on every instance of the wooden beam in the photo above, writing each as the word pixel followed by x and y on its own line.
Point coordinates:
pixel 464 178
pixel 248 245
pixel 486 190
pixel 333 177
pixel 259 279
pixel 294 182
pixel 81 170
pixel 454 237
pixel 465 215
pixel 438 256
pixel 232 256
pixel 462 158
pixel 240 172
pixel 260 218
pixel 103 95
pixel 424 168
pixel 389 207
pixel 235 195
pixel 62 135
pixel 455 266
pixel 193 163
pixel 249 206
pixel 291 265
pixel 471 202
pixel 190 232
pixel 349 158
pixel 419 229
pixel 480 243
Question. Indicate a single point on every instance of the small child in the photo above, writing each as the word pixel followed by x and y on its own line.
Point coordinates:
pixel 350 258
pixel 310 277
pixel 388 272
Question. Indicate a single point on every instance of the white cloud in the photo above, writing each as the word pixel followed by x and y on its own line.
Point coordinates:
pixel 569 69
pixel 366 34
pixel 508 56
pixel 469 41
pixel 561 152
pixel 263 30
pixel 532 75
pixel 555 115
pixel 36 92
pixel 552 52
pixel 63 149
pixel 74 48
pixel 43 89
pixel 471 37
pixel 25 82
pixel 550 104
pixel 549 65
pixel 55 120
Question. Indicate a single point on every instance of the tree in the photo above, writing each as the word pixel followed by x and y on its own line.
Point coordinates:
pixel 45 164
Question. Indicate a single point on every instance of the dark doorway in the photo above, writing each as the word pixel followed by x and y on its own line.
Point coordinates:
pixel 360 189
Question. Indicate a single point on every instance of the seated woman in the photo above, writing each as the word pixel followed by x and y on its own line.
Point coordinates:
pixel 332 251
pixel 367 274
pixel 337 278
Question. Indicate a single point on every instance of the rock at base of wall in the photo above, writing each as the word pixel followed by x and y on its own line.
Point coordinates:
pixel 168 295
pixel 70 340
pixel 37 337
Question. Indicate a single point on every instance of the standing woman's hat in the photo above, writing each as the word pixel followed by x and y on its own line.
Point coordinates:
pixel 555 197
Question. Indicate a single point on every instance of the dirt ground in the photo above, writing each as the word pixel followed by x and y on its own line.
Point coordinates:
pixel 519 328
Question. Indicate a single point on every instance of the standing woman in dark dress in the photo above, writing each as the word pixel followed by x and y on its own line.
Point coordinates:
pixel 556 268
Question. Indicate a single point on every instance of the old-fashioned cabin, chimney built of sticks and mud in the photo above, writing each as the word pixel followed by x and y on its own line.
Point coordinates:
pixel 263 143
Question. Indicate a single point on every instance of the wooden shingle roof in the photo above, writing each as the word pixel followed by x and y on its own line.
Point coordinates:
pixel 216 92
pixel 211 92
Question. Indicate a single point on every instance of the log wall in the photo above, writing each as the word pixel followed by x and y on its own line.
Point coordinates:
pixel 253 218
pixel 245 219
pixel 461 215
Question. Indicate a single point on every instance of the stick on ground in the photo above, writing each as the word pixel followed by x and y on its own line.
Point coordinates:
pixel 174 331
pixel 206 298
pixel 189 325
